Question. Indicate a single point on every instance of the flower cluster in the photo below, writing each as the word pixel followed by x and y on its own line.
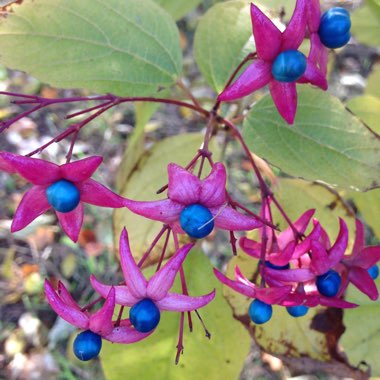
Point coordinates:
pixel 280 64
pixel 146 300
pixel 302 271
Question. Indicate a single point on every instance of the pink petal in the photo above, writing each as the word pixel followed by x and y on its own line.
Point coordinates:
pixel 5 166
pixel 283 257
pixel 319 54
pixel 363 281
pixel 313 15
pixel 368 257
pixel 125 335
pixel 255 76
pixel 181 302
pixel 70 314
pixel 359 238
pixel 336 302
pixel 94 193
pixel 229 219
pixel 165 211
pixel 241 288
pixel 305 245
pixel 81 170
pixel 267 37
pixel 72 221
pixel 240 277
pixel 295 32
pixel 250 247
pixel 122 294
pixel 273 295
pixel 290 275
pixel 34 170
pixel 213 187
pixel 336 252
pixel 66 296
pixel 314 76
pixel 163 280
pixel 33 204
pixel 136 282
pixel 320 263
pixel 301 224
pixel 101 321
pixel 284 96
pixel 183 186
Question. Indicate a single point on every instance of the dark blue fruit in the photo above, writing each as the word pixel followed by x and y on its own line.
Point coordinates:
pixel 87 345
pixel 374 272
pixel 260 312
pixel 289 66
pixel 197 221
pixel 334 29
pixel 329 283
pixel 278 267
pixel 144 315
pixel 63 196
pixel 297 311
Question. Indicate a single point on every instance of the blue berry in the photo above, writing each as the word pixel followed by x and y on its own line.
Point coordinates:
pixel 289 66
pixel 144 315
pixel 63 196
pixel 197 221
pixel 329 283
pixel 334 29
pixel 278 267
pixel 374 272
pixel 87 345
pixel 260 312
pixel 297 311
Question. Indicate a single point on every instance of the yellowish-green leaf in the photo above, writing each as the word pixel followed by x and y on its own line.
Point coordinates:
pixel 373 82
pixel 326 142
pixel 367 108
pixel 153 358
pixel 361 340
pixel 222 40
pixel 366 25
pixel 127 48
pixel 178 8
pixel 368 205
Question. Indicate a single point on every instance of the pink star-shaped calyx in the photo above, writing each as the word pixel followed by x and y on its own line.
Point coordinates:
pixel 270 43
pixel 100 322
pixel 43 174
pixel 137 288
pixel 185 189
pixel 357 264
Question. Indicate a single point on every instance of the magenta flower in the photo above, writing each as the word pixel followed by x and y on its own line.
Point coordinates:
pixel 137 288
pixel 195 205
pixel 272 295
pixel 357 264
pixel 64 188
pixel 279 63
pixel 100 322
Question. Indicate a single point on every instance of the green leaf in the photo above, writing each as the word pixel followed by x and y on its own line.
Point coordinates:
pixel 178 8
pixel 361 339
pixel 325 143
pixel 153 358
pixel 128 48
pixel 367 108
pixel 366 25
pixel 150 173
pixel 222 41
